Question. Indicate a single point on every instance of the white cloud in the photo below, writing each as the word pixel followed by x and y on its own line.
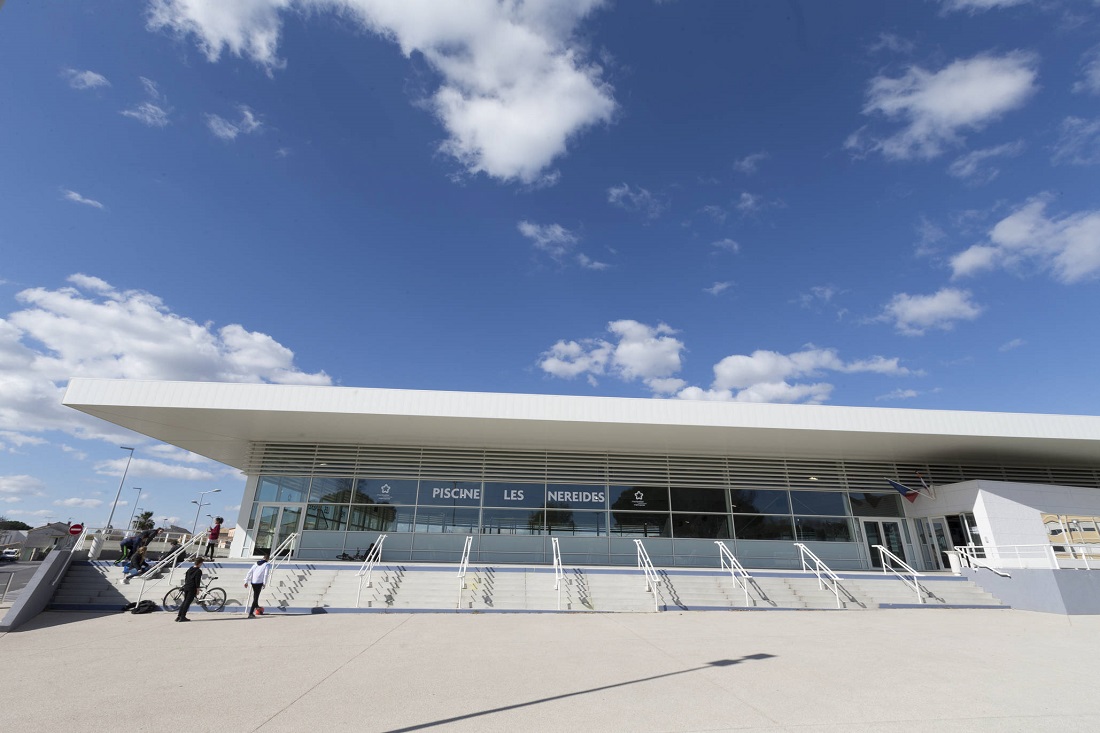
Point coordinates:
pixel 588 263
pixel 1013 344
pixel 977 6
pixel 912 315
pixel 639 200
pixel 553 239
pixel 893 43
pixel 936 107
pixel 78 199
pixel 975 167
pixel 146 468
pixel 899 394
pixel 718 288
pixel 516 86
pixel 1068 246
pixel 153 111
pixel 750 163
pixel 652 355
pixel 79 502
pixel 18 487
pixel 726 244
pixel 749 203
pixel 1090 72
pixel 85 79
pixel 228 131
pixel 90 329
pixel 1078 142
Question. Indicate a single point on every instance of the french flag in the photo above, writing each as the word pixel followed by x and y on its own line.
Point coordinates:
pixel 910 494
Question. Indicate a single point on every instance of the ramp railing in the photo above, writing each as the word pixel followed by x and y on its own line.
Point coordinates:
pixel 1056 555
pixel 891 563
pixel 367 567
pixel 652 579
pixel 559 572
pixel 824 573
pixel 462 566
pixel 738 575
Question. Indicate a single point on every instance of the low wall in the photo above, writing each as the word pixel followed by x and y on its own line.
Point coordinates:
pixel 1070 592
pixel 34 598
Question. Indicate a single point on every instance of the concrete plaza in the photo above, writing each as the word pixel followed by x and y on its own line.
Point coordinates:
pixel 898 670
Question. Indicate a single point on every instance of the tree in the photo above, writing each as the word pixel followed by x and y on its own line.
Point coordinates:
pixel 144 521
pixel 6 523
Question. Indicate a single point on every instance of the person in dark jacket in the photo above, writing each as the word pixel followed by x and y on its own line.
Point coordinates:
pixel 192 581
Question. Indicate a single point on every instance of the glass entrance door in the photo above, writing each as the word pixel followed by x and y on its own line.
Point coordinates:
pixel 885 532
pixel 273 523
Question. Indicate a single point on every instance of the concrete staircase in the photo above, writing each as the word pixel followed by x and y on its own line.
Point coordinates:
pixel 336 587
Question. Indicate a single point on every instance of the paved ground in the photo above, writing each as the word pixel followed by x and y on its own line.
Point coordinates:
pixel 902 670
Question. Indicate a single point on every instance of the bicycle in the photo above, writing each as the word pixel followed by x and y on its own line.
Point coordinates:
pixel 211 599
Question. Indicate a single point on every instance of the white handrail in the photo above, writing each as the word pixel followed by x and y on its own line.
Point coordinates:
pixel 884 554
pixel 465 563
pixel 559 572
pixel 367 567
pixel 273 556
pixel 1075 556
pixel 652 580
pixel 731 563
pixel 819 569
pixel 159 565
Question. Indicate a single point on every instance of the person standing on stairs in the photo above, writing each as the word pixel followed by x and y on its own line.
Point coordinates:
pixel 257 578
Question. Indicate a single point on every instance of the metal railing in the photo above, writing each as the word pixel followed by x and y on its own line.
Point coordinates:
pixel 287 546
pixel 652 580
pixel 885 555
pixel 820 569
pixel 559 572
pixel 7 585
pixel 367 567
pixel 738 574
pixel 462 566
pixel 179 554
pixel 1060 556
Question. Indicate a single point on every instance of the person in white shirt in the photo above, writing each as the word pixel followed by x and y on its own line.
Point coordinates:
pixel 257 578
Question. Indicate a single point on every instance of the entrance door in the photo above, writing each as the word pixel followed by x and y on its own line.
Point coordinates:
pixel 273 524
pixel 941 536
pixel 885 532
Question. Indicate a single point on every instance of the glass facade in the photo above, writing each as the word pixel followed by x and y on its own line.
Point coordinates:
pixel 351 510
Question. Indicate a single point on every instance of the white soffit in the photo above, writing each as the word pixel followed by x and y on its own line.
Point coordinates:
pixel 219 420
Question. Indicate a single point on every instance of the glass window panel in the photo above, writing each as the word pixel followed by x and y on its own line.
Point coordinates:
pixel 569 522
pixel 511 521
pixel 513 495
pixel 762 527
pixel 760 501
pixel 639 498
pixel 367 517
pixel 698 500
pixel 384 491
pixel 868 504
pixel 446 519
pixel 450 493
pixel 818 502
pixel 329 517
pixel 576 496
pixel 326 490
pixel 824 529
pixel 293 488
pixel 269 489
pixel 640 524
pixel 706 526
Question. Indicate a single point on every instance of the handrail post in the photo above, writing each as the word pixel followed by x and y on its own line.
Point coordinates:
pixel 367 567
pixel 462 568
pixel 559 573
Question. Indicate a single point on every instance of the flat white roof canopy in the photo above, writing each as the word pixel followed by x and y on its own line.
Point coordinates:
pixel 220 420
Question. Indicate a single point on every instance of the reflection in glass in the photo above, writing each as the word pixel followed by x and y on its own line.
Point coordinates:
pixel 577 523
pixel 818 502
pixel 326 517
pixel 760 501
pixel 436 519
pixel 640 524
pixel 698 500
pixel 823 529
pixel 868 504
pixel 384 518
pixel 511 521
pixel 331 490
pixel 762 527
pixel 705 526
pixel 384 491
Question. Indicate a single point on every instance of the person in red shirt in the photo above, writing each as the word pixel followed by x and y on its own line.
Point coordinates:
pixel 212 538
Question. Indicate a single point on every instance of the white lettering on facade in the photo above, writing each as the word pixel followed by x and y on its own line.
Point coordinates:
pixel 455 493
pixel 579 497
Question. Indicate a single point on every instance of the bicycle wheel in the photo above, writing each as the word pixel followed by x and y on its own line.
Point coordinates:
pixel 213 599
pixel 173 599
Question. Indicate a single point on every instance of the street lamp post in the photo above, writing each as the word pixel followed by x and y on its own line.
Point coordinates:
pixel 199 507
pixel 120 483
pixel 131 524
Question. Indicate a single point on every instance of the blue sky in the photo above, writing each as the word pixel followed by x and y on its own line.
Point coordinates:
pixel 851 203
